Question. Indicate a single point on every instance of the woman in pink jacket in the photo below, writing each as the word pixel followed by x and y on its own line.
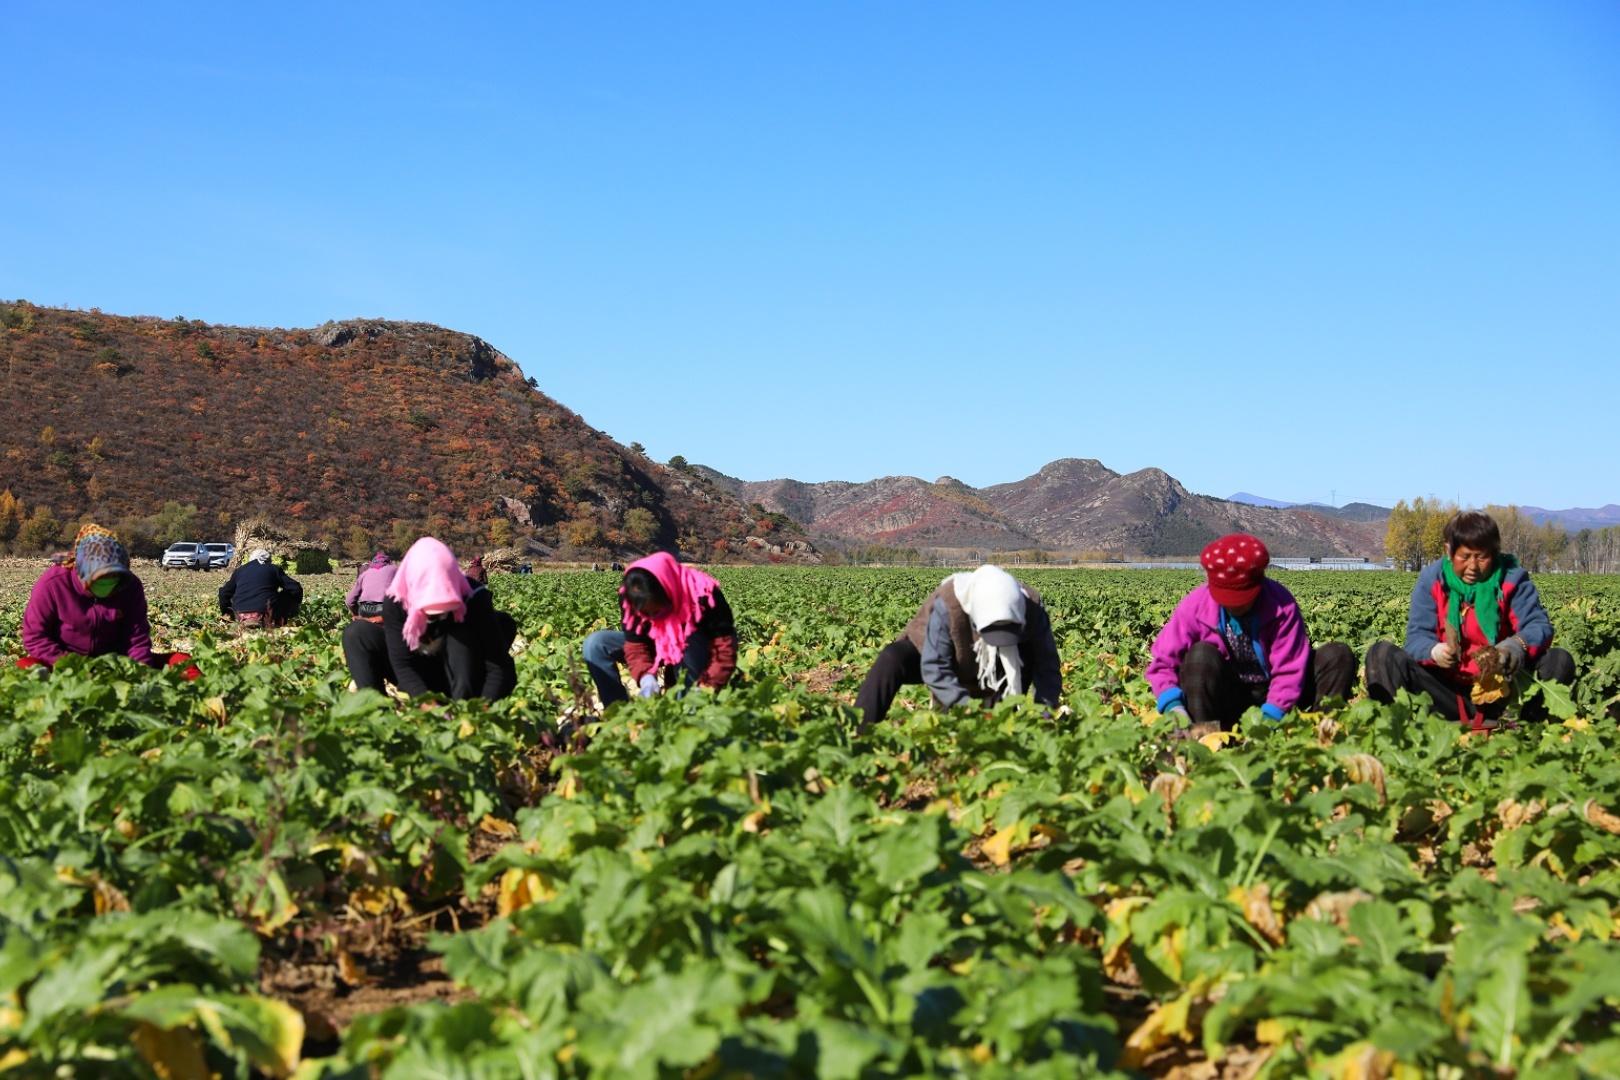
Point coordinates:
pixel 1237 642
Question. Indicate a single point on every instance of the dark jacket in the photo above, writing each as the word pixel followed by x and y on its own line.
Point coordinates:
pixel 716 623
pixel 474 661
pixel 1521 615
pixel 944 636
pixel 254 586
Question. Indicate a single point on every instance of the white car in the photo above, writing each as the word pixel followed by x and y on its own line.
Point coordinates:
pixel 185 556
pixel 219 555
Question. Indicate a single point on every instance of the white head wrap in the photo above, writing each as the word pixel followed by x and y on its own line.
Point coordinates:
pixel 259 555
pixel 990 595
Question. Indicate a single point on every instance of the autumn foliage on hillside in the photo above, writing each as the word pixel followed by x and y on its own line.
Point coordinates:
pixel 361 434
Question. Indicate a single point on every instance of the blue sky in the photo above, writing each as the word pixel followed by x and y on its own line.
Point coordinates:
pixel 1370 250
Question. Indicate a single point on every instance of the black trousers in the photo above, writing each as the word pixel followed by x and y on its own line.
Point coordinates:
pixel 899 664
pixel 1214 694
pixel 1391 668
pixel 464 669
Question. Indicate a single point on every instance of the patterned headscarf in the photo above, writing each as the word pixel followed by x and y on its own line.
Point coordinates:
pixel 96 551
pixel 380 559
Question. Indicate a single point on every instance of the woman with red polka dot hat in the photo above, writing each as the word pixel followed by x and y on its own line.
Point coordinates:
pixel 1238 642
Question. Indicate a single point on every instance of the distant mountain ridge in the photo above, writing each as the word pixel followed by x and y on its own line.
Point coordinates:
pixel 1576 519
pixel 1072 504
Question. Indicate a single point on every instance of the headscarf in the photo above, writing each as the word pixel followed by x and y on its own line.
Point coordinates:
pixel 379 559
pixel 685 587
pixel 428 576
pixel 96 551
pixel 990 595
pixel 259 555
pixel 1484 596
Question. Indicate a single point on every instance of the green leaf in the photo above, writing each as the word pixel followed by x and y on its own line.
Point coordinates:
pixel 1501 999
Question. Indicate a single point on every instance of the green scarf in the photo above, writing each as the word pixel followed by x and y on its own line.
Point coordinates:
pixel 1484 596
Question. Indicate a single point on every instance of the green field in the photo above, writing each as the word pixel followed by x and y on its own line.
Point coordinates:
pixel 260 872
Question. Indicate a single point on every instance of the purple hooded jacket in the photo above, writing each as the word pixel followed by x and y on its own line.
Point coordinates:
pixel 371 584
pixel 62 617
pixel 1280 637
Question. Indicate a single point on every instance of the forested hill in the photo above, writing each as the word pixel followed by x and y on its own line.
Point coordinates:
pixel 360 433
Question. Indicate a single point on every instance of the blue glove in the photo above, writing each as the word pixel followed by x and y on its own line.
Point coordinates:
pixel 1271 712
pixel 649 685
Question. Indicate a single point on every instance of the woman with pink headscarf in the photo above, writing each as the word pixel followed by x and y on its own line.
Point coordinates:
pixel 677 626
pixel 439 634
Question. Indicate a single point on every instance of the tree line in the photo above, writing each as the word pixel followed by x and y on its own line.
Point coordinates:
pixel 1414 536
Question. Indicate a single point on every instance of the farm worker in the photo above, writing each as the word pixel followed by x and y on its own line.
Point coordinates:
pixel 1472 599
pixel 365 596
pixel 260 593
pixel 1239 641
pixel 982 635
pixel 676 626
pixel 439 634
pixel 476 572
pixel 93 606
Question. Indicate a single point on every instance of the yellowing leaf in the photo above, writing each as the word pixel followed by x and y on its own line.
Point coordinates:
pixel 521 888
pixel 1214 740
pixel 215 708
pixel 465 729
pixel 568 787
pixel 495 826
pixel 1578 723
pixel 173 1053
pixel 1167 1021
pixel 755 822
pixel 1359 1061
pixel 1271 1032
pixel 1366 769
pixel 980 1054
pixel 379 900
pixel 1600 817
pixel 1255 903
pixel 998 849
pixel 1334 907
pixel 13 1058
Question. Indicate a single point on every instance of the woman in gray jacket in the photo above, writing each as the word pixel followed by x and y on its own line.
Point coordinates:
pixel 983 636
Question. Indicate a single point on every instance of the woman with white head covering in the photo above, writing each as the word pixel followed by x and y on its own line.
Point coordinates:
pixel 260 593
pixel 980 636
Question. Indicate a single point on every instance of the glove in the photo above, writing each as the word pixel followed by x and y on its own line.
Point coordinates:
pixel 1512 652
pixel 190 672
pixel 26 662
pixel 1179 715
pixel 1444 654
pixel 650 685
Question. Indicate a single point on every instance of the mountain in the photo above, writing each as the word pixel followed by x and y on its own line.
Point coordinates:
pixel 1072 504
pixel 1258 500
pixel 361 432
pixel 892 510
pixel 1576 519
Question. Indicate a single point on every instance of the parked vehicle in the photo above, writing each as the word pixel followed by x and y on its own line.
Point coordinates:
pixel 220 555
pixel 185 556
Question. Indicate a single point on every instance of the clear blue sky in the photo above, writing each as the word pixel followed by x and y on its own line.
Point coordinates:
pixel 1295 249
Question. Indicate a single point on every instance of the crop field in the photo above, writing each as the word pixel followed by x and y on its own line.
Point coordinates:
pixel 262 873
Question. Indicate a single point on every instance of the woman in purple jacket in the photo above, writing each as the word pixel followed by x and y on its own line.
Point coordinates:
pixel 93 607
pixel 365 597
pixel 1238 641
